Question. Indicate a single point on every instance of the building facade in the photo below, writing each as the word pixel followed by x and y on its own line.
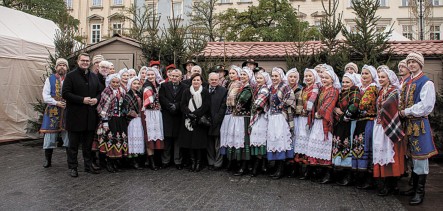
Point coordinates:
pixel 99 19
pixel 402 15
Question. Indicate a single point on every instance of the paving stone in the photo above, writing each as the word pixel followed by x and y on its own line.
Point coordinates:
pixel 26 185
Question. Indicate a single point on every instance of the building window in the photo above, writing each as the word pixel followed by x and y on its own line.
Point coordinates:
pixel 380 28
pixel 95 33
pixel 225 1
pixel 118 2
pixel 435 2
pixel 178 9
pixel 404 3
pixel 353 29
pixel 96 3
pixel 151 7
pixel 68 4
pixel 117 28
pixel 434 33
pixel 245 1
pixel 407 31
pixel 383 3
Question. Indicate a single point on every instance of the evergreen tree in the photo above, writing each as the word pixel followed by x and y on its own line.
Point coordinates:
pixel 366 42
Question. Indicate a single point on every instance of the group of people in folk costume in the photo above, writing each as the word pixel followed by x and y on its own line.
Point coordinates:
pixel 364 126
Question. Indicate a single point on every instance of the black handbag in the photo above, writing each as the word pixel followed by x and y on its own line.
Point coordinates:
pixel 204 120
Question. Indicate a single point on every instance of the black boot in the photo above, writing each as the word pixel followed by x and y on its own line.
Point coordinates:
pixel 152 163
pixel 198 156
pixel 135 163
pixel 280 170
pixel 242 170
pixel 327 176
pixel 383 188
pixel 420 191
pixel 292 171
pixel 411 191
pixel 264 165
pixel 306 171
pixel 94 159
pixel 347 177
pixel 110 165
pixel 48 158
pixel 367 182
pixel 255 169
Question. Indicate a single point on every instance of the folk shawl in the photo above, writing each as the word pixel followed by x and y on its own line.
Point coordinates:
pixel 348 102
pixel 260 105
pixel 130 103
pixel 245 95
pixel 309 104
pixel 287 99
pixel 106 107
pixel 325 108
pixel 387 106
pixel 150 96
pixel 233 91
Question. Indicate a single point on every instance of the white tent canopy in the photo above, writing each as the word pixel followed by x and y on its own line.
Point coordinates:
pixel 25 41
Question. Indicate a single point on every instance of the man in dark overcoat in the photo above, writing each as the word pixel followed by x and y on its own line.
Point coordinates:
pixel 81 90
pixel 170 96
pixel 218 110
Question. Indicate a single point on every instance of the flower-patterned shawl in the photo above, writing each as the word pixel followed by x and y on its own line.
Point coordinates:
pixel 325 107
pixel 367 106
pixel 348 102
pixel 243 101
pixel 260 105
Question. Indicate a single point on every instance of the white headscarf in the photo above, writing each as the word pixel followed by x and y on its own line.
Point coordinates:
pixel 250 74
pixel 132 70
pixel 110 77
pixel 120 73
pixel 293 70
pixel 373 74
pixel 237 69
pixel 144 68
pixel 317 79
pixel 392 77
pixel 128 86
pixel 158 76
pixel 330 72
pixel 282 74
pixel 354 78
pixel 267 78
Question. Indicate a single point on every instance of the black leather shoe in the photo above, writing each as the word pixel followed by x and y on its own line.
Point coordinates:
pixel 179 166
pixel 210 168
pixel 95 166
pixel 74 173
pixel 92 171
pixel 326 178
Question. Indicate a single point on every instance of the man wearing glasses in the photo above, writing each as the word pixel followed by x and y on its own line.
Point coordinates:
pixel 81 90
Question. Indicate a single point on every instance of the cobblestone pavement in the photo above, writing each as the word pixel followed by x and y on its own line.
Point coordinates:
pixel 26 185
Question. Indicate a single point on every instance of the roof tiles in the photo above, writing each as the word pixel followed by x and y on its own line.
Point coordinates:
pixel 282 49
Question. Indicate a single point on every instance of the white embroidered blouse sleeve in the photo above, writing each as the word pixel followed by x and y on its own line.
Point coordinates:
pixel 426 105
pixel 47 98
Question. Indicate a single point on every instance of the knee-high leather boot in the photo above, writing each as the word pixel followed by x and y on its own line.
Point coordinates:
pixel 48 158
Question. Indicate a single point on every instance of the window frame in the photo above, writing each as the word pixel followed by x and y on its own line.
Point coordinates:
pixel 94 37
